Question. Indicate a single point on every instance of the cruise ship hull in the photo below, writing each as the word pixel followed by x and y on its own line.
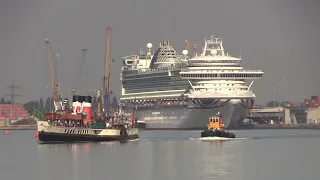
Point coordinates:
pixel 194 117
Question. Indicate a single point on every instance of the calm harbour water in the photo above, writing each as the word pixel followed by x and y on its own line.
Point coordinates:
pixel 166 155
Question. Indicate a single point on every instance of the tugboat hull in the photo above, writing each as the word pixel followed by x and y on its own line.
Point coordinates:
pixel 217 133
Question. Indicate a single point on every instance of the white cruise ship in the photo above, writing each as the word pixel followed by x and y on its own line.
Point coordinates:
pixel 152 87
pixel 218 84
pixel 170 91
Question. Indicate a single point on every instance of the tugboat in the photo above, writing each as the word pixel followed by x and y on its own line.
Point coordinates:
pixel 78 125
pixel 216 128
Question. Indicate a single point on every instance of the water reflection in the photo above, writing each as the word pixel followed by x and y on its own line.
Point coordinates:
pixel 219 160
pixel 85 145
pixel 147 159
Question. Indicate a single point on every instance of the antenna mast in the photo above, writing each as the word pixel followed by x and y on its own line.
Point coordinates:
pixel 13 94
pixel 107 71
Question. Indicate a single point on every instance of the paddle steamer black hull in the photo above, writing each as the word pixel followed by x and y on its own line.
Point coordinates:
pixel 46 137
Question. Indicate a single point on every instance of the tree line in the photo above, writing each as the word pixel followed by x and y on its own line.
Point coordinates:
pixel 48 104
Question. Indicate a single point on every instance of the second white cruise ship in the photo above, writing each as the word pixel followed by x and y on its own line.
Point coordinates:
pixel 218 85
pixel 170 91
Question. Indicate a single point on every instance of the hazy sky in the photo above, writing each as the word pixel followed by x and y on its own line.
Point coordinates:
pixel 280 37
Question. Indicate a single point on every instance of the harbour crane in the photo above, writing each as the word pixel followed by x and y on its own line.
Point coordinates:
pixel 57 99
pixel 187 46
pixel 186 42
pixel 106 86
pixel 194 50
pixel 78 75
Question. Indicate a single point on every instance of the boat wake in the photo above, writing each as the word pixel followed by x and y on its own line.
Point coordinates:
pixel 219 139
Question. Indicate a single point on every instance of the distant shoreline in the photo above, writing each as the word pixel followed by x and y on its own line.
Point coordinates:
pixel 256 126
pixel 285 126
pixel 19 127
pixel 249 127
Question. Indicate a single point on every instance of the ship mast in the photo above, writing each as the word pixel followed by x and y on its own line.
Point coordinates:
pixel 106 100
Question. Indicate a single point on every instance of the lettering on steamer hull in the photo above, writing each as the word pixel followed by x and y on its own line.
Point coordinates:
pixel 76 131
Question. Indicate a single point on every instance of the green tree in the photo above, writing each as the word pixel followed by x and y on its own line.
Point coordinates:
pixel 29 106
pixel 41 105
pixel 2 101
pixel 52 105
pixel 278 104
pixel 273 104
pixel 115 104
pixel 94 104
pixel 47 105
pixel 36 105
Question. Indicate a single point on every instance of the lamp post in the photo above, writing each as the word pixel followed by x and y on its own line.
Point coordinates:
pixel 285 92
pixel 274 95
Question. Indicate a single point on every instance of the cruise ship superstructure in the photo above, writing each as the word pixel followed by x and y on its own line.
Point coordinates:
pixel 172 91
pixel 218 85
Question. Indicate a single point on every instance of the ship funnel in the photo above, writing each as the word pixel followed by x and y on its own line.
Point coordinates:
pixel 76 103
pixel 86 107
